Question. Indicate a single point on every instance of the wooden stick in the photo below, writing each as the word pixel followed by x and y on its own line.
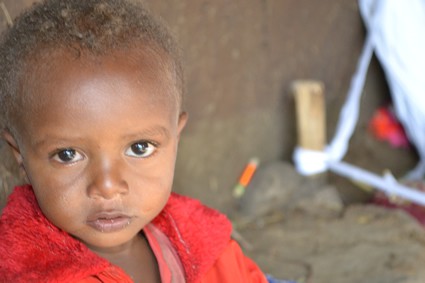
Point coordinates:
pixel 311 118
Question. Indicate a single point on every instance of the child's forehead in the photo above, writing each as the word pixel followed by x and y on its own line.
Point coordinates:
pixel 74 84
pixel 58 58
pixel 140 63
pixel 64 70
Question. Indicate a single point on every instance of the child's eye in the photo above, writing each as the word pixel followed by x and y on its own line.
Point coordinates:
pixel 67 155
pixel 140 149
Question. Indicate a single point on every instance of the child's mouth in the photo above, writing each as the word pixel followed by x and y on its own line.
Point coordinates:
pixel 109 222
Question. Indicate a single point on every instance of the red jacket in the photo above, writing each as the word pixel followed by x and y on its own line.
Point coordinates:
pixel 33 250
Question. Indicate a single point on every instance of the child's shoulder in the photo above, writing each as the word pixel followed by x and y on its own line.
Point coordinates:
pixel 190 214
pixel 191 205
pixel 188 211
pixel 199 233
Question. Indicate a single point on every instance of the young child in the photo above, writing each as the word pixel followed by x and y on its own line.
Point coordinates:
pixel 91 105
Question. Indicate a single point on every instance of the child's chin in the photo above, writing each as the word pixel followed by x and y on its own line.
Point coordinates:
pixel 109 242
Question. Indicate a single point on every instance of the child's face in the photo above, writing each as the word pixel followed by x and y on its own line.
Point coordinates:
pixel 99 146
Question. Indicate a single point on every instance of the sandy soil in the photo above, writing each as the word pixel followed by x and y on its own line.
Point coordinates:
pixel 366 243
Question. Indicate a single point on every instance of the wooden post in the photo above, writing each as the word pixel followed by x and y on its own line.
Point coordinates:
pixel 310 111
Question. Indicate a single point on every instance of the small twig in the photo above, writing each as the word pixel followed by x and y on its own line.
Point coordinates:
pixel 6 14
pixel 241 240
pixel 260 222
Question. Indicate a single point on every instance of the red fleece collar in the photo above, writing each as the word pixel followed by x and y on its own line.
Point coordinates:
pixel 34 249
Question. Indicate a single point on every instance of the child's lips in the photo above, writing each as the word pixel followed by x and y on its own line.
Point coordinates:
pixel 109 221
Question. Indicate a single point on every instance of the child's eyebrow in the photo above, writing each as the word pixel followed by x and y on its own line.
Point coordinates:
pixel 149 132
pixel 47 139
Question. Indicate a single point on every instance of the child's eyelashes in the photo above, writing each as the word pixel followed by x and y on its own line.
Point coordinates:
pixel 141 149
pixel 67 156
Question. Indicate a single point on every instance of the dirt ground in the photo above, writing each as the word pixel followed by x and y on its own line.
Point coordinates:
pixel 366 244
pixel 312 235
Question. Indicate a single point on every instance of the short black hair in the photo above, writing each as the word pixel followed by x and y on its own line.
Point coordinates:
pixel 96 27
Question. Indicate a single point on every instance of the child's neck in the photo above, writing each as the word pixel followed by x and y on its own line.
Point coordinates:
pixel 138 261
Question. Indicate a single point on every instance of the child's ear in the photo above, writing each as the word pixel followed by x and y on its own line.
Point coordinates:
pixel 16 153
pixel 183 117
pixel 14 146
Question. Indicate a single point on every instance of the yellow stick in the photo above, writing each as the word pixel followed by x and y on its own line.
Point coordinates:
pixel 310 109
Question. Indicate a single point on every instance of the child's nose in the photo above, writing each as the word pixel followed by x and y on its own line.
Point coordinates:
pixel 106 179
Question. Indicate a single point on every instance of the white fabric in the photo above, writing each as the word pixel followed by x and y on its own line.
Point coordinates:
pixel 398 36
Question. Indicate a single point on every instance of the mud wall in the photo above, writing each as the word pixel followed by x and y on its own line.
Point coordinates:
pixel 240 58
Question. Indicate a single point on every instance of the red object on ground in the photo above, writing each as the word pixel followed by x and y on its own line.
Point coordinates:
pixel 385 127
pixel 416 210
